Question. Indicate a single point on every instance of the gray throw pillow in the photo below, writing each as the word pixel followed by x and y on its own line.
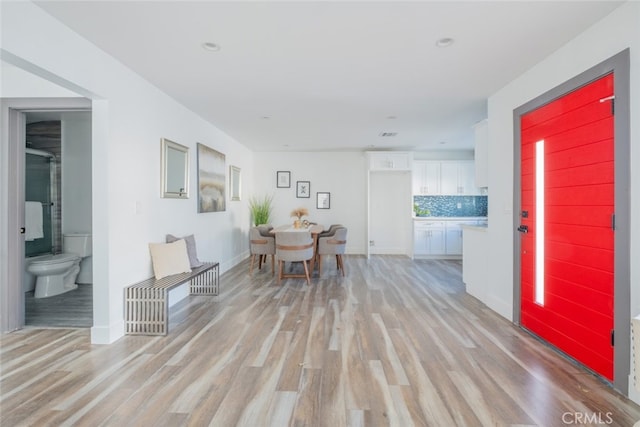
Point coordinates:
pixel 191 248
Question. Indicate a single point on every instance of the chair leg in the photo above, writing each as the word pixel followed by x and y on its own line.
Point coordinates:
pixel 319 265
pixel 253 257
pixel 306 272
pixel 273 265
pixel 341 263
pixel 280 266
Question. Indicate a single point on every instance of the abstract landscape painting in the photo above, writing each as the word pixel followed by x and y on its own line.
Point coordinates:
pixel 211 180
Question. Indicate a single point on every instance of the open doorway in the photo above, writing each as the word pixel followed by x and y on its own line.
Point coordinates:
pixel 49 159
pixel 57 183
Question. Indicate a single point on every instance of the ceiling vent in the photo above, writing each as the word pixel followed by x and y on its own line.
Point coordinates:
pixel 388 134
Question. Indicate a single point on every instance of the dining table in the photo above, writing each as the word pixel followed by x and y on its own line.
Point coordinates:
pixel 314 229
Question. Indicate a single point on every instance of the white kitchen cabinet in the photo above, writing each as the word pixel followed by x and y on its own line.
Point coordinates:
pixel 457 178
pixel 389 161
pixel 453 238
pixel 429 238
pixel 441 238
pixel 466 178
pixel 454 235
pixel 426 178
pixel 449 178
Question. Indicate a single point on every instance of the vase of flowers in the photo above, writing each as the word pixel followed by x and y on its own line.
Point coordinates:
pixel 298 214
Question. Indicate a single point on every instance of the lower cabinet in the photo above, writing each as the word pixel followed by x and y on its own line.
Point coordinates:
pixel 453 238
pixel 429 238
pixel 438 237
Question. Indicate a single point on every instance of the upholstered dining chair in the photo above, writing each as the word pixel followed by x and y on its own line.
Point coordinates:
pixel 294 246
pixel 333 245
pixel 261 245
pixel 330 230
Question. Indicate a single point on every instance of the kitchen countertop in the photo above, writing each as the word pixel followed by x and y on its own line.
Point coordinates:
pixel 449 218
pixel 482 227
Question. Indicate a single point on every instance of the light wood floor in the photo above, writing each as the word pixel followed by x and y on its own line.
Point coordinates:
pixel 72 309
pixel 395 342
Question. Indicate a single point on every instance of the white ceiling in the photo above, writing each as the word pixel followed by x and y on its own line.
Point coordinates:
pixel 333 75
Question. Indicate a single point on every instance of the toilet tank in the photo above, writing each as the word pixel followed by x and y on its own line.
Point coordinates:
pixel 79 244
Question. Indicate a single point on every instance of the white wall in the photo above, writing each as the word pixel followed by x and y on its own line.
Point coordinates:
pixel 618 31
pixel 129 116
pixel 17 83
pixel 443 155
pixel 76 172
pixel 343 174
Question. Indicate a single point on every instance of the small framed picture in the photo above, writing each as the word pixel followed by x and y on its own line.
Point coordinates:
pixel 323 200
pixel 303 189
pixel 283 179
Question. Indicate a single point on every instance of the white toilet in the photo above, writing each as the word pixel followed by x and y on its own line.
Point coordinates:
pixel 57 274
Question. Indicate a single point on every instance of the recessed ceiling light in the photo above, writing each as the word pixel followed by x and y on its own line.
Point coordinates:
pixel 210 46
pixel 392 117
pixel 388 134
pixel 443 142
pixel 444 42
pixel 265 117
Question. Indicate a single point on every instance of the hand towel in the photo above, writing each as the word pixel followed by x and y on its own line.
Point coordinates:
pixel 33 221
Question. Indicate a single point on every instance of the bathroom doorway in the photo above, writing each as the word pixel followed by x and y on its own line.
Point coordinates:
pixel 58 181
pixel 60 206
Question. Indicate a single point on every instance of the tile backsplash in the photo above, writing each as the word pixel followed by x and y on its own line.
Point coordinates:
pixel 453 205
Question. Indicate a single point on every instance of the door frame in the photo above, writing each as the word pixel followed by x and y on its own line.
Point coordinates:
pixel 12 299
pixel 619 65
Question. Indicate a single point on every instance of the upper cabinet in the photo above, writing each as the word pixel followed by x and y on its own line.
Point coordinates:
pixel 481 132
pixel 389 161
pixel 426 177
pixel 444 177
pixel 457 178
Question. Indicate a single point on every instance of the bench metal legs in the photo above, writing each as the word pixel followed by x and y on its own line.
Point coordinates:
pixel 146 304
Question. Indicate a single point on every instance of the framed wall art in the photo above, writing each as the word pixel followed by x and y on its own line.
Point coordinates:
pixel 323 200
pixel 211 180
pixel 283 179
pixel 303 189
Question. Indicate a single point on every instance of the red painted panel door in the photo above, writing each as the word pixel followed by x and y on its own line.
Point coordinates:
pixel 567 249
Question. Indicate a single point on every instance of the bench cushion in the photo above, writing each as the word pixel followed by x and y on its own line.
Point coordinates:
pixel 169 258
pixel 191 248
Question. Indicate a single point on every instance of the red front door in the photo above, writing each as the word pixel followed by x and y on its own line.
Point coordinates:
pixel 567 237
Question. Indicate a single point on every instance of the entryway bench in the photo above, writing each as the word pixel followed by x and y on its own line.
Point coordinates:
pixel 146 305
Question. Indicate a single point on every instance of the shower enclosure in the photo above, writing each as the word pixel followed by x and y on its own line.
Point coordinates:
pixel 41 186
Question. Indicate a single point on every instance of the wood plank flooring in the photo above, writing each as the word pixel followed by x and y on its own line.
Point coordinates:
pixel 73 309
pixel 395 342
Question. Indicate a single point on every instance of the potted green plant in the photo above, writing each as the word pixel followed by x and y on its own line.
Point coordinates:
pixel 260 208
pixel 420 211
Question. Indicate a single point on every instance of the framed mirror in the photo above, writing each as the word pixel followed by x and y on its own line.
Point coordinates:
pixel 234 183
pixel 175 170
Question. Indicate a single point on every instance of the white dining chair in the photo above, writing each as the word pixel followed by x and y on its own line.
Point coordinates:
pixel 333 245
pixel 294 246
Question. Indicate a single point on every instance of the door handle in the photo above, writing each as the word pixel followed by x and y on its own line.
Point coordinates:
pixel 523 229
